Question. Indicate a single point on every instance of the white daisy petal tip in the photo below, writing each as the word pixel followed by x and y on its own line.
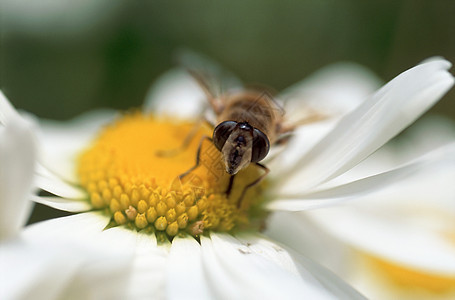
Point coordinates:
pixel 378 119
pixel 444 63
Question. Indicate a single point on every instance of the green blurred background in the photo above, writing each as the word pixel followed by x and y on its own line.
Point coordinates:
pixel 58 60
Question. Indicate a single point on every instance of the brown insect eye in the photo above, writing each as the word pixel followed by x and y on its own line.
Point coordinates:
pixel 261 146
pixel 222 133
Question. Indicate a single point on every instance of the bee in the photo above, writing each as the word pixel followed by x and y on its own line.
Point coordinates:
pixel 249 123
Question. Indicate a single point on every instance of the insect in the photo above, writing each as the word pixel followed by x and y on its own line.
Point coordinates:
pixel 248 122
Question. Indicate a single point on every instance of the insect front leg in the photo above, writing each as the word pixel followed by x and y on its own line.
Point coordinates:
pixel 198 156
pixel 231 183
pixel 186 142
pixel 252 184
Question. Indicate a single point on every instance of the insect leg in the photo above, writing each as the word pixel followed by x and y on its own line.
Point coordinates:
pixel 250 185
pixel 186 141
pixel 198 156
pixel 231 182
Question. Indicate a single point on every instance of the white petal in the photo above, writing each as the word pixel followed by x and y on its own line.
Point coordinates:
pixel 185 274
pixel 17 160
pixel 236 271
pixel 329 280
pixel 73 227
pixel 389 238
pixel 34 271
pixel 334 90
pixel 414 216
pixel 301 234
pixel 71 205
pixel 147 271
pixel 176 94
pixel 331 92
pixel 363 186
pixel 58 187
pixel 51 264
pixel 303 139
pixel 372 124
pixel 62 142
pixel 70 257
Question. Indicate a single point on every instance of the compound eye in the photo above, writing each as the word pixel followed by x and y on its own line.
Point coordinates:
pixel 222 133
pixel 261 146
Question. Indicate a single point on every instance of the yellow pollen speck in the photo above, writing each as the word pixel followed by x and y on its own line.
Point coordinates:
pixel 127 177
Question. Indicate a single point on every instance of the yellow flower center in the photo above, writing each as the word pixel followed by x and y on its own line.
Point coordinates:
pixel 132 172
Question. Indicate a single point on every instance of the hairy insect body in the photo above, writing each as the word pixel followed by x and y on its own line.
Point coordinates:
pixel 247 125
pixel 254 108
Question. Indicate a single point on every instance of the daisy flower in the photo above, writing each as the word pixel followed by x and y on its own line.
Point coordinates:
pixel 187 238
pixel 396 243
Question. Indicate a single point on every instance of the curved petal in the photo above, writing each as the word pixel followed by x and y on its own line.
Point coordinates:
pixel 68 257
pixel 185 275
pixel 70 205
pixel 56 186
pixel 251 271
pixel 373 123
pixel 363 186
pixel 17 160
pixel 331 282
pixel 411 223
pixel 300 233
pixel 303 140
pixel 146 276
pixel 72 227
pixel 34 271
pixel 392 239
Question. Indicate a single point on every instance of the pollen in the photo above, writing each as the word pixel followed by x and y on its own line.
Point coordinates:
pixel 136 170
